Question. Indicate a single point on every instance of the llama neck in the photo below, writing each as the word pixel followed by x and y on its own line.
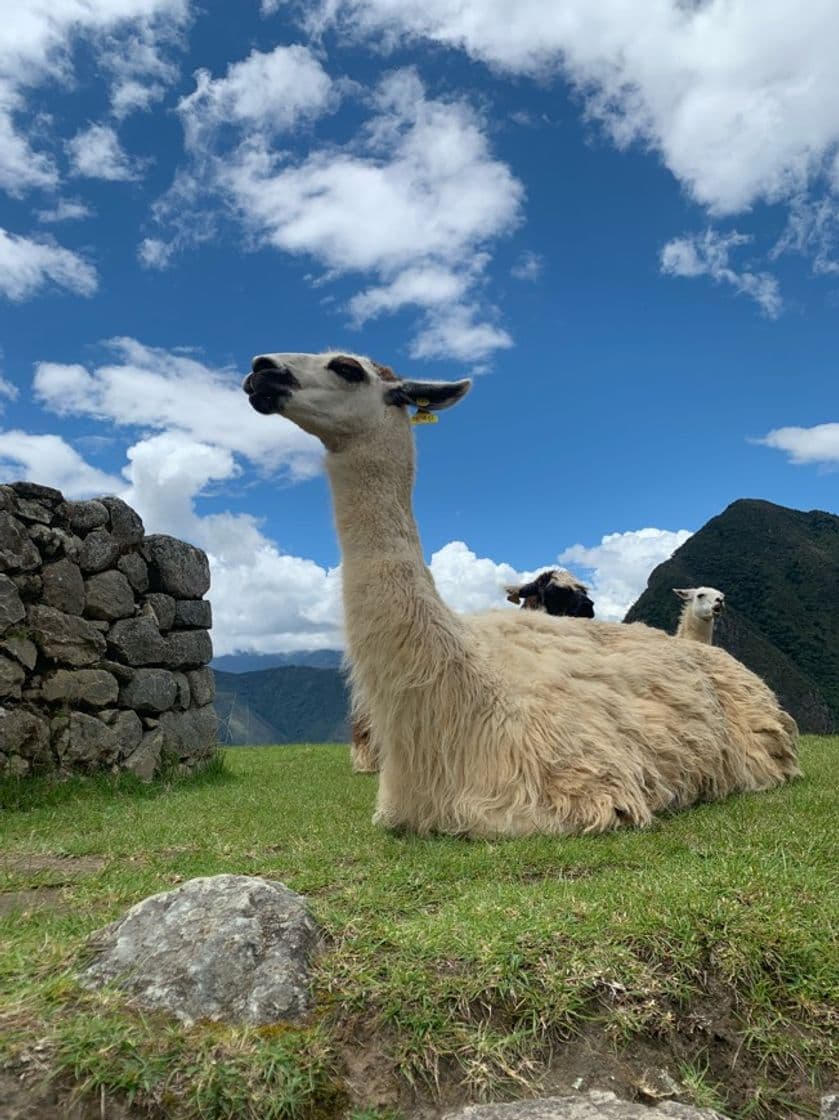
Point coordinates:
pixel 396 623
pixel 697 629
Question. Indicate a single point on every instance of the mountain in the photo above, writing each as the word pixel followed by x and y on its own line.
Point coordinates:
pixel 289 704
pixel 779 569
pixel 252 662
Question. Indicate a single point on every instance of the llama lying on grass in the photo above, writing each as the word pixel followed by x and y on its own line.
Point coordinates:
pixel 702 606
pixel 556 592
pixel 510 722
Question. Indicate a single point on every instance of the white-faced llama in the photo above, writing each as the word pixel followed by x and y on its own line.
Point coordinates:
pixel 510 722
pixel 702 606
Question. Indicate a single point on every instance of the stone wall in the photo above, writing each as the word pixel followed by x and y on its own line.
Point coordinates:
pixel 104 640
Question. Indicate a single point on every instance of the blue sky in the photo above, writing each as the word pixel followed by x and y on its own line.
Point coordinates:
pixel 624 224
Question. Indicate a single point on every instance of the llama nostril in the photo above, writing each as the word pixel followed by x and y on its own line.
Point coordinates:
pixel 261 362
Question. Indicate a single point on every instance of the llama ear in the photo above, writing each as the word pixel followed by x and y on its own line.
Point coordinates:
pixel 513 595
pixel 434 395
pixel 685 593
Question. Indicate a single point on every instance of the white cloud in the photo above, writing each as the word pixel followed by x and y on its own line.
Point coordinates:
pixel 620 566
pixel 96 153
pixel 37 40
pixel 708 254
pixel 414 200
pixel 159 390
pixel 529 266
pixel 740 100
pixel 469 583
pixel 27 266
pixel 266 92
pixel 65 210
pixel 51 461
pixel 819 444
pixel 813 230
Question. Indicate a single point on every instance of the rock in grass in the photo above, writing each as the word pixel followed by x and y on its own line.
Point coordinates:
pixel 596 1105
pixel 229 948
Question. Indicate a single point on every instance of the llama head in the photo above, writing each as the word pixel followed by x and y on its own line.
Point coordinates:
pixel 705 602
pixel 555 592
pixel 340 397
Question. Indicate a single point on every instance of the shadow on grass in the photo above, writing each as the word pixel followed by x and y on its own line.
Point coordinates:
pixel 46 791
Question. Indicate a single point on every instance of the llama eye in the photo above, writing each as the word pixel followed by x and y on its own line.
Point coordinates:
pixel 701 595
pixel 348 368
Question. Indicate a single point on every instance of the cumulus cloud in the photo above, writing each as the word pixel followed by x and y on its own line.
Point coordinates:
pixel 159 390
pixel 414 200
pixel 52 461
pixel 617 568
pixel 27 266
pixel 65 210
pixel 96 153
pixel 804 446
pixel 708 254
pixel 129 38
pixel 741 102
pixel 267 93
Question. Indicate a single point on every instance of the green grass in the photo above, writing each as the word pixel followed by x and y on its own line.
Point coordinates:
pixel 462 967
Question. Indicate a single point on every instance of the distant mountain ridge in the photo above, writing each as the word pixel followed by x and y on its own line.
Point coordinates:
pixel 287 704
pixel 253 662
pixel 779 569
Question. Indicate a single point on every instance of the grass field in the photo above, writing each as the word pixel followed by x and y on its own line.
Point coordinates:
pixel 452 970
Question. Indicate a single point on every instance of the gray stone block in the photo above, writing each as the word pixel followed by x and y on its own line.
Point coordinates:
pixel 188 648
pixel 595 1105
pixel 93 687
pixel 24 734
pixel 126 524
pixel 99 551
pixel 22 649
pixel 176 567
pixel 11 678
pixel 134 568
pixel 83 742
pixel 192 735
pixel 35 490
pixel 137 641
pixel 12 609
pixel 83 517
pixel 193 614
pixel 163 606
pixel 17 552
pixel 202 686
pixel 128 728
pixel 109 596
pixel 149 690
pixel 64 637
pixel 28 509
pixel 63 586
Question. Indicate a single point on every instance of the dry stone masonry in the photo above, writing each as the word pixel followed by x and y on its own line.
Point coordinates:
pixel 104 640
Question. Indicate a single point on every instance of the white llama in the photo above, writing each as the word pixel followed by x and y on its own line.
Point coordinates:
pixel 702 606
pixel 510 722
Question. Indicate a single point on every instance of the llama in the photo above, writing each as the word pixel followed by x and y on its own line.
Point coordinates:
pixel 702 606
pixel 555 592
pixel 507 723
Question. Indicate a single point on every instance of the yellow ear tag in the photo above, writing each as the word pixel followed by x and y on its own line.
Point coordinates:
pixel 423 416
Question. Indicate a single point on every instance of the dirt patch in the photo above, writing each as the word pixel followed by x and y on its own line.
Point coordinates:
pixel 68 867
pixel 23 1097
pixel 39 898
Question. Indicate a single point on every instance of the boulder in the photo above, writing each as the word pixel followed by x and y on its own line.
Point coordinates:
pixel 63 586
pixel 176 567
pixel 595 1105
pixel 64 637
pixel 34 490
pixel 99 551
pixel 12 609
pixel 149 690
pixel 21 648
pixel 226 948
pixel 28 509
pixel 81 686
pixel 109 596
